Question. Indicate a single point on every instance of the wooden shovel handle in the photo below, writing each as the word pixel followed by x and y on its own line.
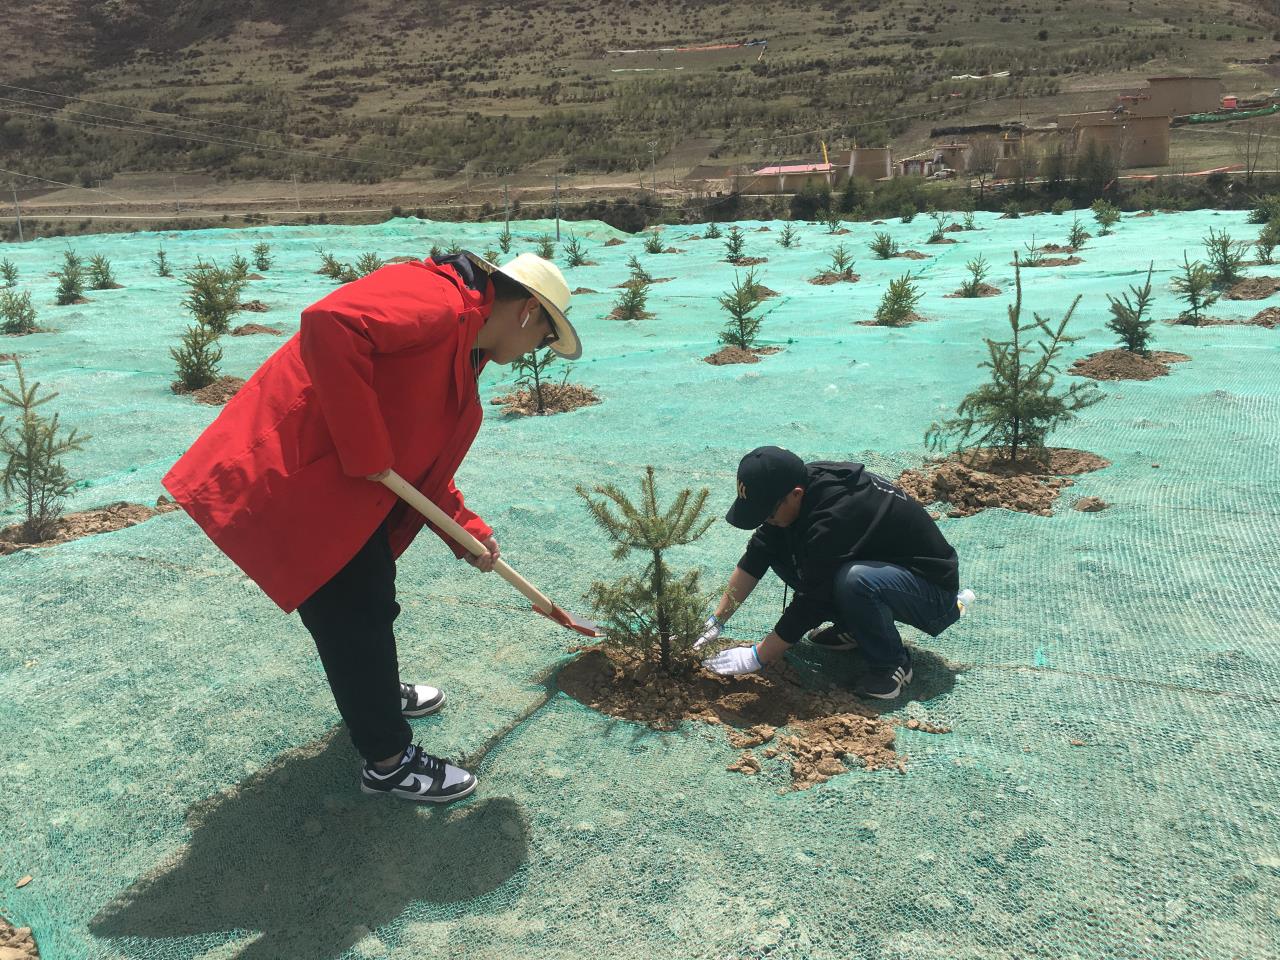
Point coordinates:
pixel 411 495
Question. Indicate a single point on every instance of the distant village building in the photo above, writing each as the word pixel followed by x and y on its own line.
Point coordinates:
pixel 789 178
pixel 871 163
pixel 1134 141
pixel 1176 97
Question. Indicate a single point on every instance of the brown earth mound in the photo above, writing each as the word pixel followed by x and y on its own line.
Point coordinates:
pixel 1268 317
pixel 556 398
pixel 727 355
pixel 75 302
pixel 403 260
pixel 1254 288
pixel 841 232
pixel 762 229
pixel 1056 248
pixel 1090 504
pixel 8 357
pixel 73 526
pixel 766 293
pixel 818 734
pixel 17 943
pixel 215 394
pixel 748 261
pixel 1052 262
pixel 912 317
pixel 954 228
pixel 255 276
pixel 643 283
pixel 109 286
pixel 616 314
pixel 983 290
pixel 981 480
pixel 249 329
pixel 614 242
pixel 941 240
pixel 1126 365
pixel 1145 213
pixel 671 250
pixel 827 277
pixel 255 306
pixel 912 255
pixel 583 290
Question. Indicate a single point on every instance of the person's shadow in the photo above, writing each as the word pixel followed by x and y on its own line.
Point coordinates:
pixel 299 853
pixel 934 675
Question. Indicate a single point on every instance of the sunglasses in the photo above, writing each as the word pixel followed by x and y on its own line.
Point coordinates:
pixel 551 337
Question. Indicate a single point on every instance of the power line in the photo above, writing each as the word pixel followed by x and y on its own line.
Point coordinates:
pixel 75 186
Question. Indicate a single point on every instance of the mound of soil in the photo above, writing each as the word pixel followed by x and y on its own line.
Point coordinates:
pixel 980 480
pixel 1145 213
pixel 748 261
pixel 255 306
pixel 616 314
pixel 109 286
pixel 632 283
pixel 403 260
pixel 1056 248
pixel 1126 365
pixel 766 293
pixel 843 231
pixel 1254 288
pixel 827 277
pixel 912 255
pixel 1052 262
pixel 614 242
pixel 1268 317
pixel 671 250
pixel 73 526
pixel 818 734
pixel 76 302
pixel 583 290
pixel 255 276
pixel 984 290
pixel 941 240
pixel 249 329
pixel 215 394
pixel 763 229
pixel 17 943
pixel 727 355
pixel 1090 504
pixel 556 398
pixel 954 228
pixel 912 317
pixel 8 357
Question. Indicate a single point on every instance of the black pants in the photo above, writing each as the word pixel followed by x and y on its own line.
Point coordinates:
pixel 350 619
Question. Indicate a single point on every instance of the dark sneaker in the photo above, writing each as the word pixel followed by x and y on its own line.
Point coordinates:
pixel 419 776
pixel 417 699
pixel 833 638
pixel 885 684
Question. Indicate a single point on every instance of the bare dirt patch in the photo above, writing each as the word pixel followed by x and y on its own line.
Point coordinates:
pixel 1090 504
pixel 827 277
pixel 255 306
pixel 1051 262
pixel 912 255
pixel 255 276
pixel 402 260
pixel 73 526
pixel 249 329
pixel 215 394
pixel 671 250
pixel 942 240
pixel 817 734
pixel 954 228
pixel 614 242
pixel 766 293
pixel 17 943
pixel 1144 213
pixel 1126 365
pixel 728 355
pixel 75 302
pixel 763 229
pixel 1254 288
pixel 912 317
pixel 556 398
pixel 979 480
pixel 747 261
pixel 617 314
pixel 983 290
pixel 1268 317
pixel 642 283
pixel 1056 248
pixel 583 290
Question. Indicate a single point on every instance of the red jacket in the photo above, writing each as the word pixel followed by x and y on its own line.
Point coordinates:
pixel 379 375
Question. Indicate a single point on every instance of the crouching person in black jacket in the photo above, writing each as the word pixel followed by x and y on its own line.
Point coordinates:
pixel 859 553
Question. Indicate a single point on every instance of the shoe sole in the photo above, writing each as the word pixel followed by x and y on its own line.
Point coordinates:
pixel 364 788
pixel 901 689
pixel 434 708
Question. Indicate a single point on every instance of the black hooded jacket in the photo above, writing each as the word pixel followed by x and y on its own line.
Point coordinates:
pixel 848 513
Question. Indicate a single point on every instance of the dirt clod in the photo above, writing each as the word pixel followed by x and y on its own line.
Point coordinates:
pixel 941 240
pixel 255 306
pixel 1267 317
pixel 583 290
pixel 614 242
pixel 249 329
pixel 979 480
pixel 1051 262
pixel 983 290
pixel 215 394
pixel 556 398
pixel 827 277
pixel 1090 504
pixel 748 261
pixel 746 764
pixel 727 355
pixel 1254 288
pixel 912 255
pixel 1126 365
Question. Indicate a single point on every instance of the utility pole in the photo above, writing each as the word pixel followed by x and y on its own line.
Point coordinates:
pixel 653 162
pixel 506 202
pixel 17 210
pixel 177 204
pixel 297 201
pixel 557 206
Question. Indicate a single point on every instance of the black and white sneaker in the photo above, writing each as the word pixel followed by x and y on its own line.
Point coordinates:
pixel 417 699
pixel 419 776
pixel 885 684
pixel 833 638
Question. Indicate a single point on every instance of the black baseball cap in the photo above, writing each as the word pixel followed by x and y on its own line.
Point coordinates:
pixel 765 476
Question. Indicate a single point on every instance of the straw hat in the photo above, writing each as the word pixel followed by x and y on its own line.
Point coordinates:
pixel 542 279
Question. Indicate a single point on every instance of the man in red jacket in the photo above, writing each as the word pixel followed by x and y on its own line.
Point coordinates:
pixel 382 375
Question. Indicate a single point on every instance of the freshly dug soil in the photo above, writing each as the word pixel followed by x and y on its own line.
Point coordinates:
pixel 763 229
pixel 1268 317
pixel 17 944
pixel 583 290
pixel 913 317
pixel 631 283
pixel 818 734
pixel 255 276
pixel 249 329
pixel 1056 248
pixel 109 286
pixel 215 394
pixel 841 232
pixel 954 228
pixel 941 240
pixel 747 261
pixel 8 357
pixel 255 306
pixel 616 314
pixel 75 302
pixel 1052 262
pixel 73 526
pixel 827 277
pixel 984 290
pixel 671 250
pixel 1126 365
pixel 1090 504
pixel 980 480
pixel 766 293
pixel 912 255
pixel 727 355
pixel 556 398
pixel 403 260
pixel 614 242
pixel 1254 288
pixel 1145 213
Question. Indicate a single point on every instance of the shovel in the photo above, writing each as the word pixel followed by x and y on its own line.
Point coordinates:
pixel 541 604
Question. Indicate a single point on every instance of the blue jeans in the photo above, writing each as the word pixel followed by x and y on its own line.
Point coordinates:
pixel 871 595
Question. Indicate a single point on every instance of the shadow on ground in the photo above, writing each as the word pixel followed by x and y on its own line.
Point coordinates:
pixel 933 675
pixel 300 854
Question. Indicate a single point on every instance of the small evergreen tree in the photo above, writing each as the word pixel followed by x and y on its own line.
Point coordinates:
pixel 331 266
pixel 1225 255
pixel 743 326
pixel 907 212
pixel 734 243
pixel 33 469
pixel 17 315
pixel 830 219
pixel 631 302
pixel 238 268
pixel 575 253
pixel 546 247
pixel 1017 409
pixel 653 241
pixel 70 279
pixel 1012 210
pixel 530 374
pixel 161 261
pixel 262 258
pixel 8 273
pixel 455 248
pixel 787 238
pixel 1268 237
pixel 1195 286
pixel 639 275
pixel 366 263
pixel 842 262
pixel 966 220
pixel 504 240
pixel 1060 207
pixel 658 614
pixel 1129 321
pixel 213 295
pixel 941 221
pixel 1268 209
pixel 197 357
pixel 1035 256
pixel 492 255
pixel 712 232
pixel 978 269
pixel 1107 214
pixel 884 246
pixel 100 277
pixel 898 305
pixel 1077 236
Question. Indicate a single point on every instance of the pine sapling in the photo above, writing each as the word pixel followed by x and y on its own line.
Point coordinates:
pixel 197 358
pixel 1035 256
pixel 1107 215
pixel 655 615
pixel 8 273
pixel 330 266
pixel 100 277
pixel 161 262
pixel 1268 209
pixel 743 325
pixel 17 315
pixel 941 221
pixel 831 220
pixel 978 269
pixel 639 275
pixel 734 244
pixel 712 232
pixel 213 295
pixel 1015 411
pixel 1077 236
pixel 1195 286
pixel 907 212
pixel 530 375
pixel 787 238
pixel 575 252
pixel 1268 237
pixel 546 247
pixel 653 241
pixel 1129 320
pixel 262 258
pixel 70 279
pixel 1060 207
pixel 238 267
pixel 455 248
pixel 366 263
pixel 1225 256
pixel 504 240
pixel 884 246
pixel 842 263
pixel 897 307
pixel 631 302
pixel 967 219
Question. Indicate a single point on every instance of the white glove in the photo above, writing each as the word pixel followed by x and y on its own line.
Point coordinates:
pixel 711 631
pixel 733 661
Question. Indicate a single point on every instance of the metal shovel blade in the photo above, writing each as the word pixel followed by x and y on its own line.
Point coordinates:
pixel 585 627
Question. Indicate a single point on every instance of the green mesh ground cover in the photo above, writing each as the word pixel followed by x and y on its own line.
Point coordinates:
pixel 177 784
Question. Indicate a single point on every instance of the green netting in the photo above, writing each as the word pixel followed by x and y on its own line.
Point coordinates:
pixel 178 787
